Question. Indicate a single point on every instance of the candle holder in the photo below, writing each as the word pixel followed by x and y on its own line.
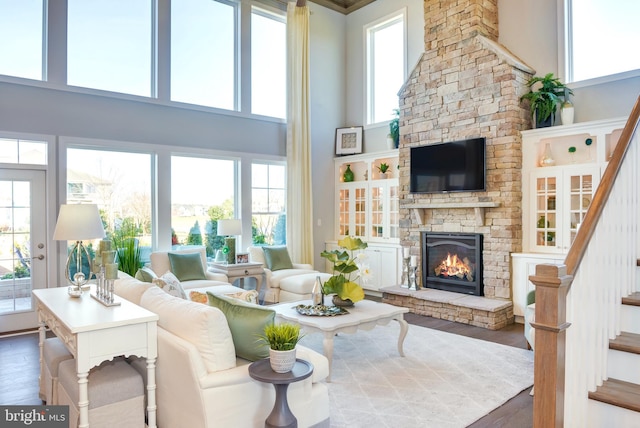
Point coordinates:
pixel 104 289
pixel 405 272
pixel 413 279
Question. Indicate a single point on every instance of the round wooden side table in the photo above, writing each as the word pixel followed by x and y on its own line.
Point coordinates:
pixel 281 415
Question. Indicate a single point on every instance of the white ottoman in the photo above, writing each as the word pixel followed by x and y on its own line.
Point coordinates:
pixel 116 394
pixel 299 287
pixel 53 353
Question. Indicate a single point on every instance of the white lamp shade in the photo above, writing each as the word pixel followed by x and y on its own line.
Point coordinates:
pixel 78 222
pixel 230 227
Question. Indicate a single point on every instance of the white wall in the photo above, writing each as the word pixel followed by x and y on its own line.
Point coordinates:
pixel 529 29
pixel 327 58
pixel 374 138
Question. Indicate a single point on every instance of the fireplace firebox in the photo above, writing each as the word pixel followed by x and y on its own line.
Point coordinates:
pixel 452 262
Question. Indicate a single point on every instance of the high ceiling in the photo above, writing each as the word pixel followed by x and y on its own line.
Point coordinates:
pixel 343 6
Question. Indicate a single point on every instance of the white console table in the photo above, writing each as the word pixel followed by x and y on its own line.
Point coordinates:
pixel 94 333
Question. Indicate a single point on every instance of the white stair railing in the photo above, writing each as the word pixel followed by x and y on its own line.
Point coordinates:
pixel 578 304
pixel 606 273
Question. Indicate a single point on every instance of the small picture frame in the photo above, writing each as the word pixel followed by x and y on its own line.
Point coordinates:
pixel 349 140
pixel 242 258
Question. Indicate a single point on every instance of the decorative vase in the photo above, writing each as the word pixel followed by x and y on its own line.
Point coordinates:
pixel 282 361
pixel 383 175
pixel 337 301
pixel 348 174
pixel 391 144
pixel 544 123
pixel 566 113
pixel 547 157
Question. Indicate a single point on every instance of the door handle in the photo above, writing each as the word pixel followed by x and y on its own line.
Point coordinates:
pixel 40 257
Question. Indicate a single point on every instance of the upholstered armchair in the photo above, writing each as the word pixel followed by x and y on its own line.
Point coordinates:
pixel 529 317
pixel 285 281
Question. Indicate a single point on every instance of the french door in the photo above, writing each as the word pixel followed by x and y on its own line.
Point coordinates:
pixel 22 246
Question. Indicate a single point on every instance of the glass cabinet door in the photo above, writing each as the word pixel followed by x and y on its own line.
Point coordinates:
pixel 546 211
pixel 581 190
pixel 344 215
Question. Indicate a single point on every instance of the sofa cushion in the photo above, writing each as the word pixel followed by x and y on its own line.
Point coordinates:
pixel 277 258
pixel 246 322
pixel 250 296
pixel 170 284
pixel 202 325
pixel 186 266
pixel 130 288
pixel 256 255
pixel 145 274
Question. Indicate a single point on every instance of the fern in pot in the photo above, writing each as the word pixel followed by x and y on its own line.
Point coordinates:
pixel 282 340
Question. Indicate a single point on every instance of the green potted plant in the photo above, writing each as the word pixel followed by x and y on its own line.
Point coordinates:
pixel 394 128
pixel 383 168
pixel 348 267
pixel 282 340
pixel 544 101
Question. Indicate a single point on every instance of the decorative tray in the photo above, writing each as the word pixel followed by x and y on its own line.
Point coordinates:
pixel 320 310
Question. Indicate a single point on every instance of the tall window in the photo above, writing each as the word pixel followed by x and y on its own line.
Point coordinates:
pixel 202 192
pixel 268 63
pixel 120 184
pixel 203 52
pixel 599 38
pixel 22 38
pixel 385 66
pixel 268 219
pixel 110 45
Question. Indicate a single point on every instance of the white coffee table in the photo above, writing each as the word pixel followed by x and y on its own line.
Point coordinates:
pixel 365 315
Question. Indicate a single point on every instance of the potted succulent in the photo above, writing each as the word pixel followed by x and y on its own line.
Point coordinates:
pixel 383 168
pixel 282 340
pixel 544 101
pixel 347 263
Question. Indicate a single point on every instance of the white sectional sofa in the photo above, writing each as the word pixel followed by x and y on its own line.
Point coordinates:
pixel 200 381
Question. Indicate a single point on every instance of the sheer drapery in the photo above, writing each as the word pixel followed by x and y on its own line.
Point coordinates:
pixel 299 197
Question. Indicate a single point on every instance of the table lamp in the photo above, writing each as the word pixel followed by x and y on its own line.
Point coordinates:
pixel 230 228
pixel 78 222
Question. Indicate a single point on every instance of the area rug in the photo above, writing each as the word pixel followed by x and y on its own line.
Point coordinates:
pixel 444 380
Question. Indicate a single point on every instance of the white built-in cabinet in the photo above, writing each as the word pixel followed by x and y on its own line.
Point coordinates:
pixel 556 195
pixel 368 208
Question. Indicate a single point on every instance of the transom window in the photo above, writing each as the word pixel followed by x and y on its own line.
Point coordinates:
pixel 23 151
pixel 599 36
pixel 385 66
pixel 203 53
pixel 21 38
pixel 111 45
pixel 268 63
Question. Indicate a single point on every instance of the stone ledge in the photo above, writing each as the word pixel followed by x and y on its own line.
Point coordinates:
pixel 473 310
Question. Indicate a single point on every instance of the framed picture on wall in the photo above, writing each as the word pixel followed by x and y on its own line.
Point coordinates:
pixel 349 140
pixel 242 258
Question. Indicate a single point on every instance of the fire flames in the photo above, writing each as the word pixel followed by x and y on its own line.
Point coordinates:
pixel 452 266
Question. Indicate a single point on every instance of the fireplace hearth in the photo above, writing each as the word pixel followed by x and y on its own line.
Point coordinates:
pixel 452 262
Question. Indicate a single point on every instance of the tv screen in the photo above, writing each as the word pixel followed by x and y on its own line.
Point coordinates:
pixel 457 166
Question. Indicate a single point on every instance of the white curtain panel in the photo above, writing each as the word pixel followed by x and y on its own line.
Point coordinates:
pixel 299 197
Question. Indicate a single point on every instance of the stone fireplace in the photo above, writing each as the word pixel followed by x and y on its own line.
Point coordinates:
pixel 467 85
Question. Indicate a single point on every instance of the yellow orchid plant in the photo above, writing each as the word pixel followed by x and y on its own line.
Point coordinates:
pixel 347 263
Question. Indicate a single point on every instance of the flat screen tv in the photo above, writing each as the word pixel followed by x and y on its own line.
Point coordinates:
pixel 456 166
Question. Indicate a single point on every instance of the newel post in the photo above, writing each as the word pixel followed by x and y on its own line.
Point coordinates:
pixel 552 284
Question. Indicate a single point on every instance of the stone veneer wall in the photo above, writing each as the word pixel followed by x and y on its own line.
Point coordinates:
pixel 467 85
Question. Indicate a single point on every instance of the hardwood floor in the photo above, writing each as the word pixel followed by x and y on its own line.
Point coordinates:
pixel 19 369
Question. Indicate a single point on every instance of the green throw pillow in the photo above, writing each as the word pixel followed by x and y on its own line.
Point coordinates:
pixel 246 322
pixel 187 266
pixel 277 258
pixel 145 274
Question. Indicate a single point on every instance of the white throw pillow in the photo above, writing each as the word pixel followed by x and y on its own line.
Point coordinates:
pixel 202 325
pixel 170 284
